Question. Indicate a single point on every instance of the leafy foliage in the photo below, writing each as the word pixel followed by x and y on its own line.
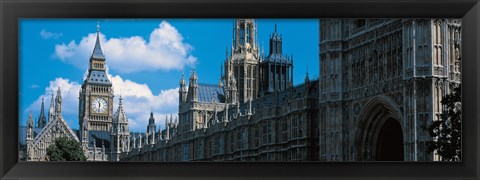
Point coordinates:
pixel 65 149
pixel 447 131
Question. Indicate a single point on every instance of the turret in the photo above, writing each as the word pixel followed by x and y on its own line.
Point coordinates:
pixel 151 129
pixel 58 102
pixel 51 110
pixel 307 83
pixel 42 120
pixel 230 90
pixel 245 35
pixel 30 136
pixel 277 69
pixel 134 142
pixel 193 86
pixel 120 134
pixel 159 134
pixel 167 129
pixel 220 80
pixel 182 91
pixel 243 64
pixel 140 145
pixel 275 42
pixel 84 135
pixel 30 127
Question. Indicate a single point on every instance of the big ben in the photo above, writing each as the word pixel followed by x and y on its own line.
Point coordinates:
pixel 96 100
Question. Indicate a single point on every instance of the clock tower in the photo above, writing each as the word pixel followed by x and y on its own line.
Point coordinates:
pixel 95 99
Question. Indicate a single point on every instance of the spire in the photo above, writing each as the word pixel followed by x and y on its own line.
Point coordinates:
pixel 151 128
pixel 194 75
pixel 182 91
pixel 214 103
pixel 58 102
pixel 167 128
pixel 134 142
pixel 30 127
pixel 220 83
pixel 151 120
pixel 226 52
pixel 51 110
pixel 41 119
pixel 159 133
pixel 166 121
pixel 30 120
pixel 307 83
pixel 120 116
pixel 306 75
pixel 120 99
pixel 97 50
pixel 275 43
pixel 182 81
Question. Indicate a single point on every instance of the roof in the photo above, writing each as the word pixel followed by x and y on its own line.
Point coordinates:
pixel 98 77
pixel 276 36
pixel 97 50
pixel 207 92
pixel 278 58
pixel 99 136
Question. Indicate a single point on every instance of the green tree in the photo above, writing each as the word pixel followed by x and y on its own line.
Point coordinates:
pixel 65 149
pixel 447 131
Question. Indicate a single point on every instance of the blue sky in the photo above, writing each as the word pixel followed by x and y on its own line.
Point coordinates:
pixel 145 58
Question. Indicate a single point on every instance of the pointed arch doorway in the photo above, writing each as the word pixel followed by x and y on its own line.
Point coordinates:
pixel 379 132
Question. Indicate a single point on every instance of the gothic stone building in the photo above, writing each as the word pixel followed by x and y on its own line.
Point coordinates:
pixel 254 113
pixel 381 85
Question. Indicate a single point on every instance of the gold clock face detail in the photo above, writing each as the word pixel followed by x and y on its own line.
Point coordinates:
pixel 99 105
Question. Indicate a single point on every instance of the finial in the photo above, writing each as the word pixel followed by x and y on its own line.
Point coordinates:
pixel 263 50
pixel 98 26
pixel 221 70
pixel 307 69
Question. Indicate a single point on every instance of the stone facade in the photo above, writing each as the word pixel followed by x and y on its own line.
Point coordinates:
pixel 381 85
pixel 37 144
pixel 253 114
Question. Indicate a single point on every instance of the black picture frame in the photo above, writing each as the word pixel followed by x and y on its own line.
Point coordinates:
pixel 11 11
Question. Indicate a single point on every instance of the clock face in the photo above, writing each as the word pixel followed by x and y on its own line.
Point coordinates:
pixel 99 105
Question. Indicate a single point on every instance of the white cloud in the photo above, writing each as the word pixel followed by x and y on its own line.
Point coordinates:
pixel 138 100
pixel 50 35
pixel 69 91
pixel 164 50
